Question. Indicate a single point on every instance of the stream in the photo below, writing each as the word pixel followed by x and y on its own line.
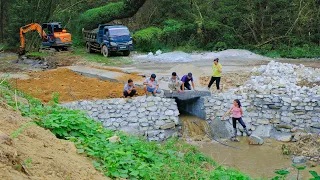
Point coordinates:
pixel 256 161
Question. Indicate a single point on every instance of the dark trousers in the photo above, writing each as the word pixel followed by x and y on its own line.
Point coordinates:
pixel 186 85
pixel 234 122
pixel 217 79
pixel 126 94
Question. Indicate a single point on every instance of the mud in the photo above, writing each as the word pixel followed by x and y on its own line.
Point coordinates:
pixel 37 154
pixel 194 128
pixel 257 161
pixel 71 86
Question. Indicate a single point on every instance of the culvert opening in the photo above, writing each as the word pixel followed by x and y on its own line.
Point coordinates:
pixel 194 106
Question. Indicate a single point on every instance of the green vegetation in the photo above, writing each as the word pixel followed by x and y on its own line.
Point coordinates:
pixel 283 173
pixel 279 28
pixel 25 164
pixel 37 54
pixel 97 57
pixel 91 16
pixel 148 39
pixel 133 157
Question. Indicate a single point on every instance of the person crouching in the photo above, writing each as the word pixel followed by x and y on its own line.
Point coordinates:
pixel 129 89
pixel 151 85
pixel 174 83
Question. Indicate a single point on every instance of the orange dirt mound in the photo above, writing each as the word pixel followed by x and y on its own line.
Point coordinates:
pixel 50 158
pixel 71 86
pixel 134 76
pixel 108 68
pixel 125 77
pixel 228 80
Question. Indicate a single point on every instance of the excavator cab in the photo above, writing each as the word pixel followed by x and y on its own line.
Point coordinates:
pixel 57 37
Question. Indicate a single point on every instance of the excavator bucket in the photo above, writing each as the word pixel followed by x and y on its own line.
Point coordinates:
pixel 21 51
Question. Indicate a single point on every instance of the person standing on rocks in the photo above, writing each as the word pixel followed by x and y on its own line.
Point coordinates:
pixel 236 116
pixel 129 89
pixel 174 83
pixel 185 82
pixel 216 74
pixel 151 85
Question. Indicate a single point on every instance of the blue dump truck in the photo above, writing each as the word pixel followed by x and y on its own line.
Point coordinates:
pixel 107 39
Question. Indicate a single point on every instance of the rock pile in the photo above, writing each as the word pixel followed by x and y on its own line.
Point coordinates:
pixel 282 78
pixel 153 117
pixel 274 106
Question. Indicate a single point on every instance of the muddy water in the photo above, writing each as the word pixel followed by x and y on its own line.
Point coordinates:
pixel 257 161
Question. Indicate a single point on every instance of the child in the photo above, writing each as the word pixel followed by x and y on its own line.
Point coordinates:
pixel 236 116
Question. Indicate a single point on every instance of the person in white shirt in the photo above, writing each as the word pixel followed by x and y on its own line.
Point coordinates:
pixel 151 85
pixel 174 83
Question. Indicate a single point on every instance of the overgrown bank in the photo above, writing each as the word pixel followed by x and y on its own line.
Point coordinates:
pixel 132 158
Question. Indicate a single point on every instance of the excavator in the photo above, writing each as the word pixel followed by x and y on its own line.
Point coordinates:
pixel 52 35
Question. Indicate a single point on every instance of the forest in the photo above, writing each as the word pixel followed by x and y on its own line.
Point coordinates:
pixel 278 28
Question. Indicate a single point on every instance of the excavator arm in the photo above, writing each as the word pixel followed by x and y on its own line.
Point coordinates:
pixel 27 28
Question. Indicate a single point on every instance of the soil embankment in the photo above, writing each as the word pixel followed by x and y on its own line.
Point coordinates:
pixel 37 154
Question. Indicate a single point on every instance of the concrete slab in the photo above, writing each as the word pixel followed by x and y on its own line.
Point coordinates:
pixel 186 94
pixel 96 73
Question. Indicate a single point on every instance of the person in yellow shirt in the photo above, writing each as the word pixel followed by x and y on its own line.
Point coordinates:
pixel 216 74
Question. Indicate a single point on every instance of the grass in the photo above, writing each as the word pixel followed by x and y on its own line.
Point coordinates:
pixel 97 57
pixel 133 157
pixel 37 54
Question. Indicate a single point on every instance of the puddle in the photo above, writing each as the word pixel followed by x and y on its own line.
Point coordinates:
pixel 257 161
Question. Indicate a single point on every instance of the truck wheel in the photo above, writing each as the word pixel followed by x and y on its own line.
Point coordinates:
pixel 105 51
pixel 88 48
pixel 126 53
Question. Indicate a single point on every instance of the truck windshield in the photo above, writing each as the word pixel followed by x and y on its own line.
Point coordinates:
pixel 119 31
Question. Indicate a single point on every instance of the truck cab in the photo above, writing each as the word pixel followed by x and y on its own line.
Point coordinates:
pixel 109 38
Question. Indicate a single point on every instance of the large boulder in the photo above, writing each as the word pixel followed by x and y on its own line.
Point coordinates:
pixel 255 140
pixel 221 129
pixel 263 131
pixel 299 159
pixel 284 138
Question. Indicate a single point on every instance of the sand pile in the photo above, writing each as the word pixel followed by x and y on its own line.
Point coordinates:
pixel 183 69
pixel 37 154
pixel 228 80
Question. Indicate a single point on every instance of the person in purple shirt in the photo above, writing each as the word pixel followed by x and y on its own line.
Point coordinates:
pixel 185 82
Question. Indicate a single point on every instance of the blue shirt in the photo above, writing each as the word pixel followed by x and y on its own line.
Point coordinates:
pixel 185 79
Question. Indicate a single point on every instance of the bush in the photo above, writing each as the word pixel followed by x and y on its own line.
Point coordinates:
pixel 220 46
pixel 284 51
pixel 148 39
pixel 176 33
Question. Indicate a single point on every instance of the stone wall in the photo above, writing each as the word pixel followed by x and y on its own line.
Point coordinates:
pixel 269 115
pixel 153 117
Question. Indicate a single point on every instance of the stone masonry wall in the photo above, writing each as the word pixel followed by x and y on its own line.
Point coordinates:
pixel 153 117
pixel 267 115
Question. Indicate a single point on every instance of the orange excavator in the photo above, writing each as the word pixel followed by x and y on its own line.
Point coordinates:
pixel 52 35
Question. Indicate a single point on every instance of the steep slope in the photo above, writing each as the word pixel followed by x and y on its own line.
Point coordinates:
pixel 35 153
